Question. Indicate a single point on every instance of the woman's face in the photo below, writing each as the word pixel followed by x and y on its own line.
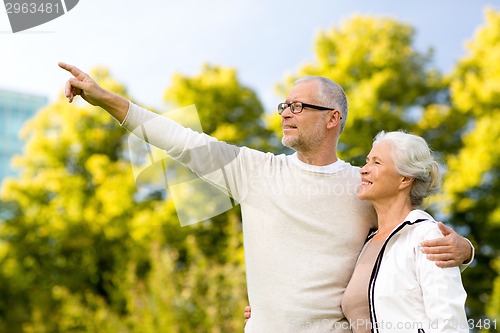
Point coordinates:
pixel 379 178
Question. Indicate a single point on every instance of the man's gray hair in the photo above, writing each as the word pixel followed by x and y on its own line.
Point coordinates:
pixel 330 94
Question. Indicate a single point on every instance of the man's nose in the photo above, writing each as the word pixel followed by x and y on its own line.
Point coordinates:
pixel 287 113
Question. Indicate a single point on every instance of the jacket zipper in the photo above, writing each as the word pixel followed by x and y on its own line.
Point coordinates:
pixel 376 268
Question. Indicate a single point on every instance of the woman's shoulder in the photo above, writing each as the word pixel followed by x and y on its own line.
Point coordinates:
pixel 423 226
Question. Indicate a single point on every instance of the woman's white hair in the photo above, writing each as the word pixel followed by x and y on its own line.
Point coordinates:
pixel 413 158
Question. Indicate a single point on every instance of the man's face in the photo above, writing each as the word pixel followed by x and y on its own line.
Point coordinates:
pixel 306 130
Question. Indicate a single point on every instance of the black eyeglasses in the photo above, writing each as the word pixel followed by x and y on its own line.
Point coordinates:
pixel 297 107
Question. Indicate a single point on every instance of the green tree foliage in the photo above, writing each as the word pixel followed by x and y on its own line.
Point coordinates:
pixel 473 180
pixel 227 110
pixel 230 112
pixel 82 251
pixel 68 233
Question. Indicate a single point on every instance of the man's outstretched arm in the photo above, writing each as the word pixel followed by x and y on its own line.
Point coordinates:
pixel 82 84
pixel 450 250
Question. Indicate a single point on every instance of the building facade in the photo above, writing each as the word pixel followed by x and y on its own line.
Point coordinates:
pixel 15 109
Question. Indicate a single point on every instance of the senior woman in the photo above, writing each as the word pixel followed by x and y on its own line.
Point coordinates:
pixel 394 287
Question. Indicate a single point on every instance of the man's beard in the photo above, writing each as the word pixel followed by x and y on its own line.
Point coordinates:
pixel 303 143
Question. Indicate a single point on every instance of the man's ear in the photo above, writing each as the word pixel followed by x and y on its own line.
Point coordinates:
pixel 334 118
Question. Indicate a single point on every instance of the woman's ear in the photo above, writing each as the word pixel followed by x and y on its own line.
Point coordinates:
pixel 405 182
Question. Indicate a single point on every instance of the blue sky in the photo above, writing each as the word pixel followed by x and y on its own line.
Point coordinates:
pixel 144 42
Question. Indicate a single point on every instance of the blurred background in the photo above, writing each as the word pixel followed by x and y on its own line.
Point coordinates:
pixel 83 248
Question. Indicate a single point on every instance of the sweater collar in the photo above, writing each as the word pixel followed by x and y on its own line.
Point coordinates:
pixel 336 166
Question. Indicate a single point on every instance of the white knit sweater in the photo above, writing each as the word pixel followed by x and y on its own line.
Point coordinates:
pixel 303 225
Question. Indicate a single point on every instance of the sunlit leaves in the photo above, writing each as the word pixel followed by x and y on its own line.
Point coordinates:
pixel 472 183
pixel 227 109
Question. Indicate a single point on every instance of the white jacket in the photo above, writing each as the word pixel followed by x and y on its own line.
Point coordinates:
pixel 408 292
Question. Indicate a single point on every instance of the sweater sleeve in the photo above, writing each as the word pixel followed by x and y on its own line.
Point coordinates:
pixel 215 161
pixel 443 293
pixel 163 132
